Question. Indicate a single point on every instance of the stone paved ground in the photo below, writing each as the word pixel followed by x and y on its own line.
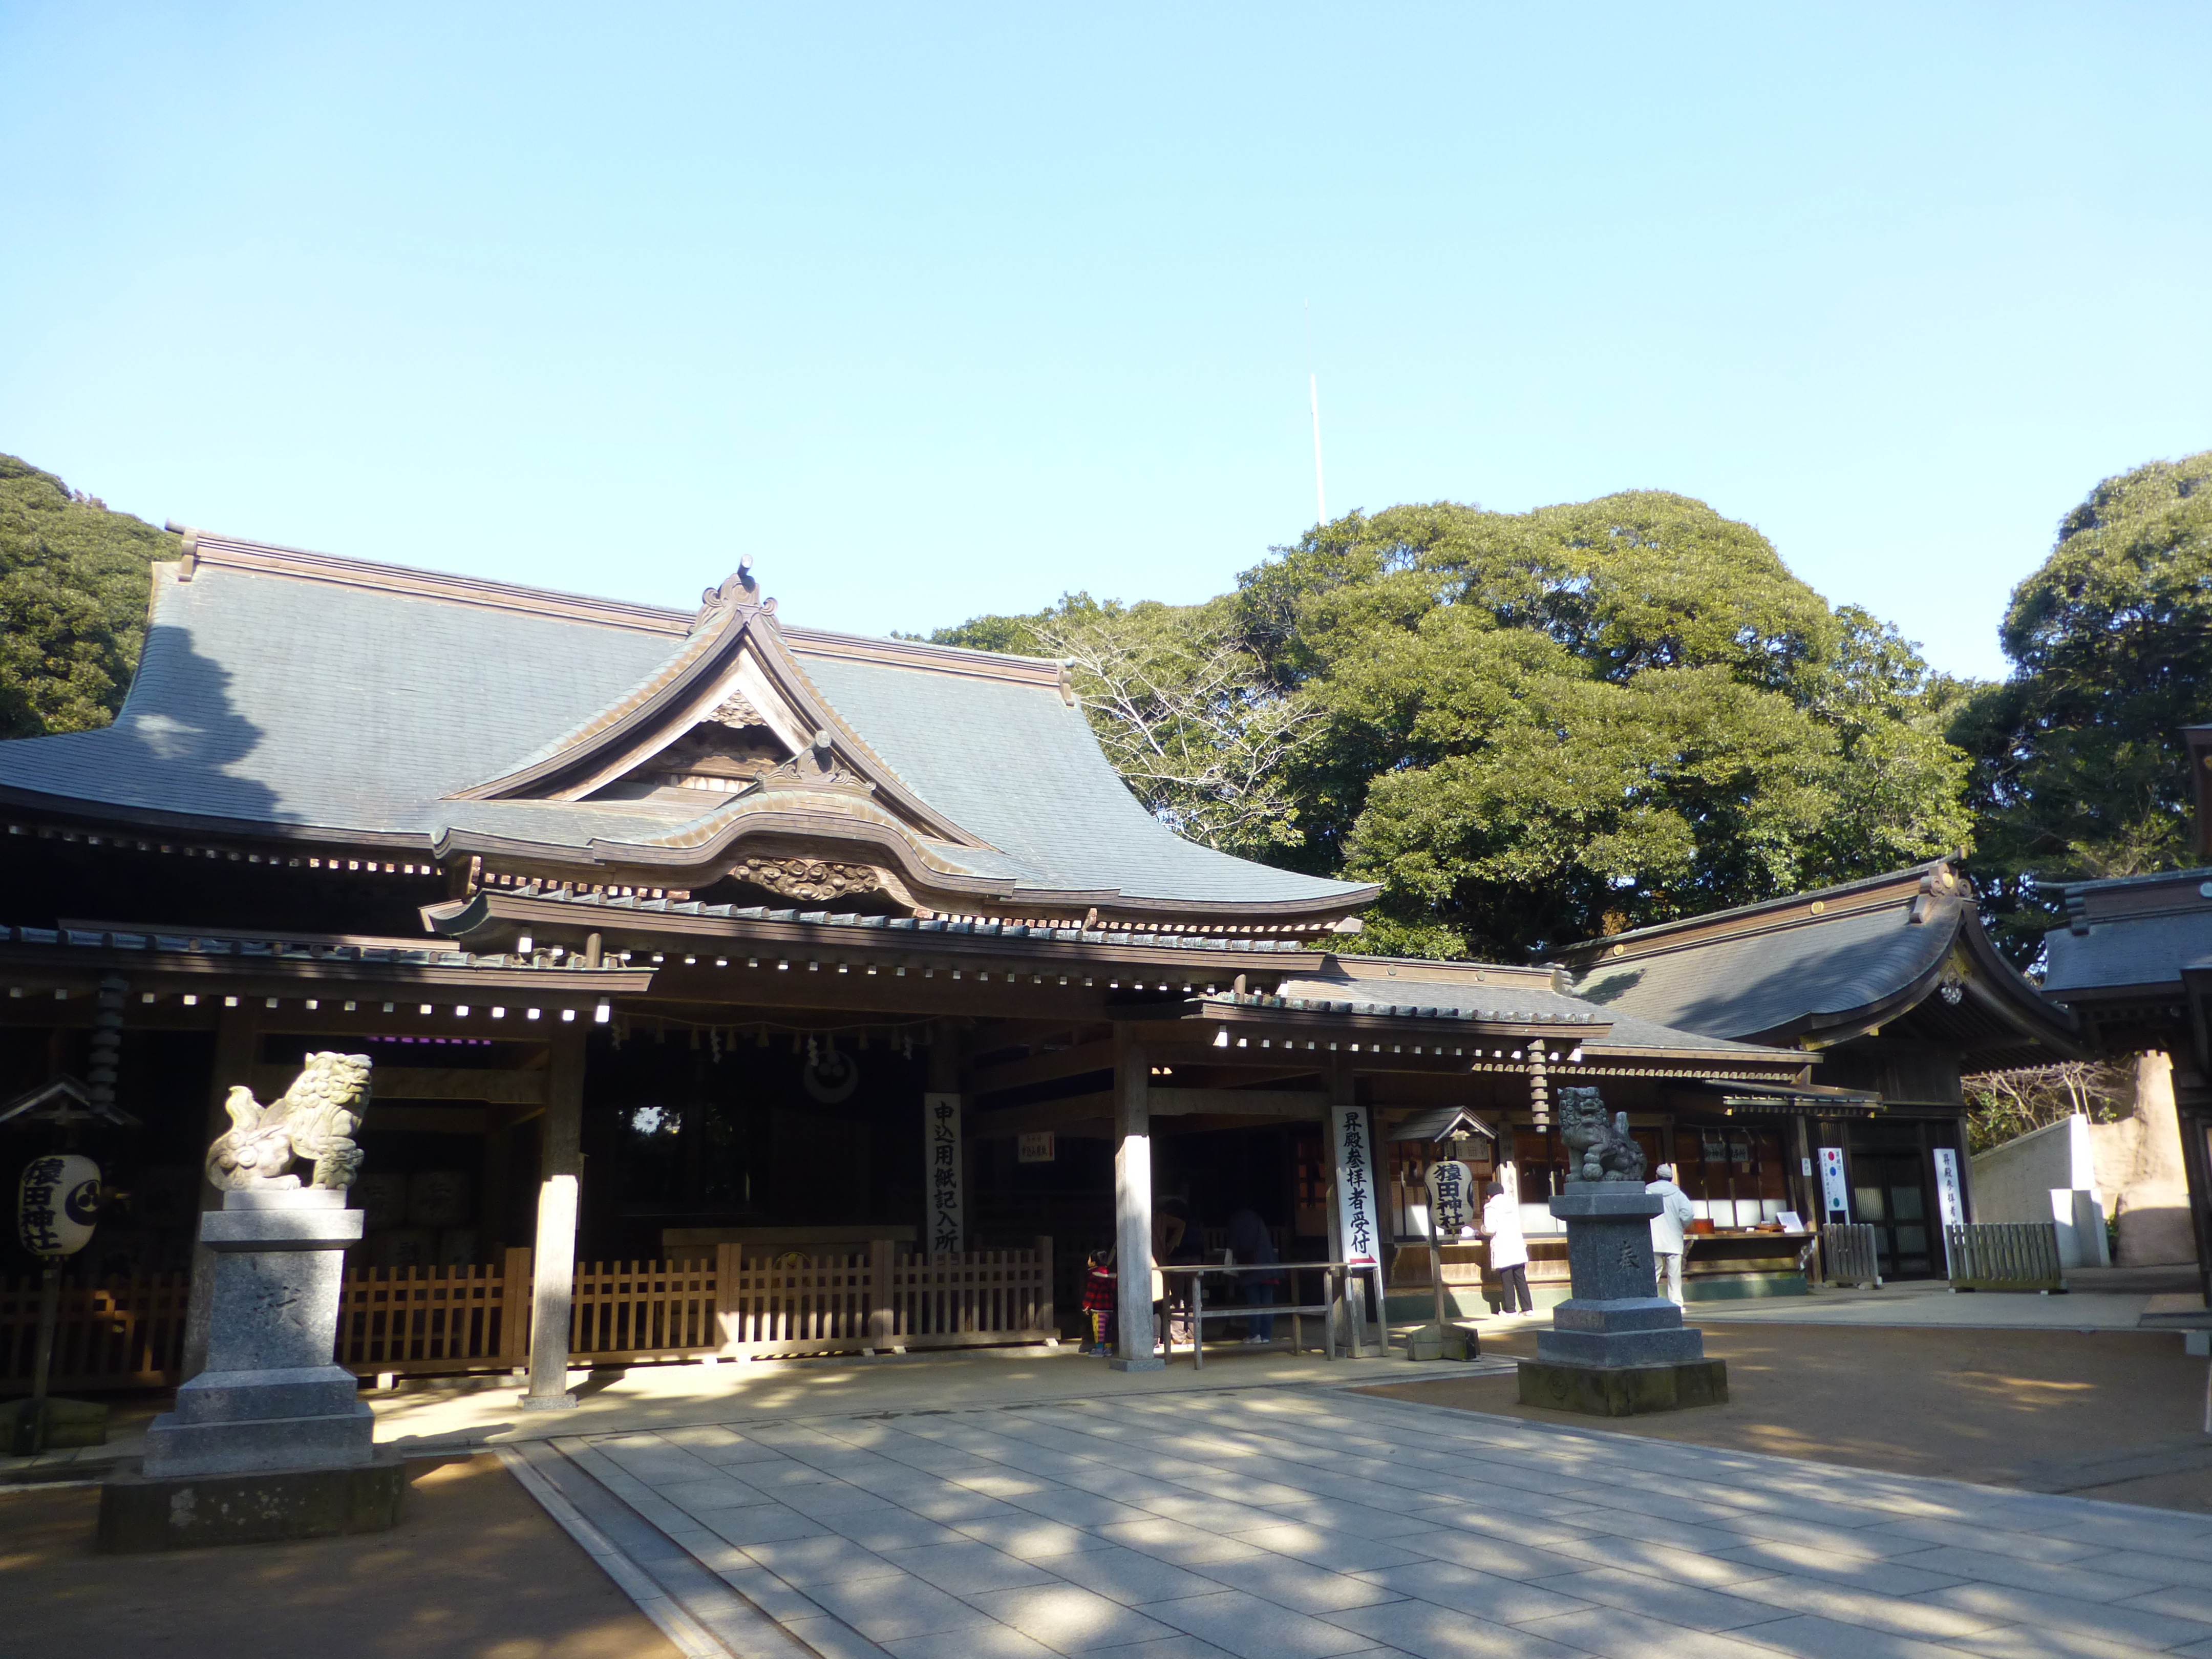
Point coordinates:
pixel 1302 1523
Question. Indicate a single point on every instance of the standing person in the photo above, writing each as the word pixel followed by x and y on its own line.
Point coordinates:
pixel 1250 1242
pixel 1509 1250
pixel 1675 1214
pixel 1098 1300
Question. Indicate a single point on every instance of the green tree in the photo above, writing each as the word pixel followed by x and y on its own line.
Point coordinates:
pixel 1180 705
pixel 2078 773
pixel 1551 724
pixel 72 603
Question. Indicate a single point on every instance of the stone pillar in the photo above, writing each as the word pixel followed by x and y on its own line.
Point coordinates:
pixel 1616 1347
pixel 270 1397
pixel 235 1051
pixel 1132 1208
pixel 553 1266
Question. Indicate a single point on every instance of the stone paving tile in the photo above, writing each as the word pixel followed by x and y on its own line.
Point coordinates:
pixel 2021 1545
pixel 1642 1555
pixel 720 1493
pixel 887 1527
pixel 1340 1552
pixel 768 1592
pixel 1031 1537
pixel 2181 1603
pixel 2021 1607
pixel 761 1523
pixel 1136 1579
pixel 2146 1567
pixel 1296 1585
pixel 974 1642
pixel 1245 1624
pixel 883 1608
pixel 2042 1642
pixel 1429 1631
pixel 827 1559
pixel 1069 1619
pixel 967 1566
pixel 1487 1554
pixel 1816 1638
pixel 833 1639
pixel 1482 1595
pixel 1618 1634
pixel 1676 1533
pixel 1178 1646
pixel 1899 1615
pixel 1864 1572
pixel 1171 1540
pixel 1677 1604
pixel 1360 1520
pixel 1780 1530
pixel 1981 1566
pixel 1080 1508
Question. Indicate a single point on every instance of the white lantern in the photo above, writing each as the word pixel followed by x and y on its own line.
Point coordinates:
pixel 59 1204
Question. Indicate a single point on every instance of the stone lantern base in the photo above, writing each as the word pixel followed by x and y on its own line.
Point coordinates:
pixel 1615 1348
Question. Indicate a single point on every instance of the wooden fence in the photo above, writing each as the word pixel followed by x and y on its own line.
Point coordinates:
pixel 1849 1256
pixel 2004 1255
pixel 430 1322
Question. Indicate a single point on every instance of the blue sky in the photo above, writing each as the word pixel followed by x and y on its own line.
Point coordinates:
pixel 938 310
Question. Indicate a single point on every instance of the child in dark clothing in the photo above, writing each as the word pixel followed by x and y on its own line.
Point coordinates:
pixel 1098 1300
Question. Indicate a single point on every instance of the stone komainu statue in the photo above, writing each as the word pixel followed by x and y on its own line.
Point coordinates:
pixel 315 1119
pixel 1598 1145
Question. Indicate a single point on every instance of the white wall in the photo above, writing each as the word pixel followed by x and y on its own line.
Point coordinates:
pixel 2047 1175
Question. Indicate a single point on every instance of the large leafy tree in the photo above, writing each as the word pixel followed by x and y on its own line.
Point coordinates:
pixel 72 603
pixel 1550 725
pixel 2078 773
pixel 1529 728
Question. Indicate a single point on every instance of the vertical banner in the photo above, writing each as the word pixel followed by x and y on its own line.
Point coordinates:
pixel 1835 1198
pixel 1950 1199
pixel 947 1207
pixel 1355 1186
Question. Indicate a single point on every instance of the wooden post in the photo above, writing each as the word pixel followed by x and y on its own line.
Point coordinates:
pixel 1045 1318
pixel 1132 1208
pixel 883 1319
pixel 515 1308
pixel 553 1277
pixel 235 1051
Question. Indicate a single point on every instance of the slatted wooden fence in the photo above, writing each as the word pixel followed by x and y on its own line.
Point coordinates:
pixel 1849 1256
pixel 432 1321
pixel 2004 1255
pixel 117 1334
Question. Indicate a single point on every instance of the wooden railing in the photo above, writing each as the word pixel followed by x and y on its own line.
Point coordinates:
pixel 431 1322
pixel 2004 1255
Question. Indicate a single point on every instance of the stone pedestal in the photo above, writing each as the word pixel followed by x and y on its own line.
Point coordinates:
pixel 273 1434
pixel 1616 1347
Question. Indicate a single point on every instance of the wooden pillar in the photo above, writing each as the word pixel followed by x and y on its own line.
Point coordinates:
pixel 1132 1208
pixel 553 1265
pixel 235 1051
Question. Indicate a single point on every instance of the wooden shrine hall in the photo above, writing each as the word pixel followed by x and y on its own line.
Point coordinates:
pixel 733 988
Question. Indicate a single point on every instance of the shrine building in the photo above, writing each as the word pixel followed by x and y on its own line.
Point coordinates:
pixel 708 963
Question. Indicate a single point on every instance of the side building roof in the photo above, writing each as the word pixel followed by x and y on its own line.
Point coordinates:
pixel 306 697
pixel 1822 967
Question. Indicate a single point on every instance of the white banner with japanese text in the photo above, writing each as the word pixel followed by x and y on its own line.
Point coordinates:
pixel 1356 1210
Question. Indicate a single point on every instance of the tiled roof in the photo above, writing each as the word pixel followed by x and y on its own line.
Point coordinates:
pixel 340 699
pixel 2130 931
pixel 1509 1001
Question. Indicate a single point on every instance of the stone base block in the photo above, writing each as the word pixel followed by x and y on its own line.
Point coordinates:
pixel 1154 1364
pixel 177 1450
pixel 1443 1342
pixel 1624 1391
pixel 140 1513
pixel 28 1427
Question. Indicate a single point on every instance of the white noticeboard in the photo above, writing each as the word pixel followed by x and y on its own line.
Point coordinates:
pixel 1036 1146
pixel 947 1207
pixel 1835 1197
pixel 1356 1213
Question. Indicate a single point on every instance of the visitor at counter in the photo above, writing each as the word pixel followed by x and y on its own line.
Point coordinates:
pixel 1250 1242
pixel 1674 1214
pixel 1509 1250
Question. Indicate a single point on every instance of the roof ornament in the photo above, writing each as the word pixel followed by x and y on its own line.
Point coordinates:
pixel 740 590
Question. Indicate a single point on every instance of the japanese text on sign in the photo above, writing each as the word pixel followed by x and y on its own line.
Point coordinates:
pixel 1834 1198
pixel 940 1118
pixel 1451 1197
pixel 1355 1186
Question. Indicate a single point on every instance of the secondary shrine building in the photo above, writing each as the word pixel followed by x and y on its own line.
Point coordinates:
pixel 689 937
